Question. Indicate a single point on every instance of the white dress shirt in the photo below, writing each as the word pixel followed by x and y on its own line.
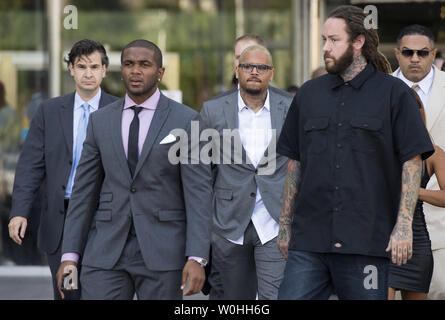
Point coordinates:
pixel 425 85
pixel 255 131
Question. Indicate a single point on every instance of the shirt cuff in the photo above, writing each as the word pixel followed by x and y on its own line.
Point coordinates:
pixel 195 258
pixel 71 256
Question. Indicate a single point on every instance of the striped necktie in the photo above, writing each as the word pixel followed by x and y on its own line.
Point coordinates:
pixel 415 87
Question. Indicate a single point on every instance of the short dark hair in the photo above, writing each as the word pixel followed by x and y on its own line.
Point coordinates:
pixel 141 43
pixel 415 29
pixel 251 37
pixel 86 47
pixel 292 88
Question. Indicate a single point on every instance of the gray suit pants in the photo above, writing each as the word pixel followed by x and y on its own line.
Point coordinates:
pixel 248 269
pixel 129 276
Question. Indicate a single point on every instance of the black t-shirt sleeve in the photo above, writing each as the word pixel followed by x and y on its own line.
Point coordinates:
pixel 411 137
pixel 288 141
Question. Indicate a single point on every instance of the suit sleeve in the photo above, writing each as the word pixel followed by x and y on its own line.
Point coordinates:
pixel 30 170
pixel 85 195
pixel 205 123
pixel 198 195
pixel 288 142
pixel 410 136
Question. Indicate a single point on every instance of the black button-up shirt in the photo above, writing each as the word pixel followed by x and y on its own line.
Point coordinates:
pixel 351 139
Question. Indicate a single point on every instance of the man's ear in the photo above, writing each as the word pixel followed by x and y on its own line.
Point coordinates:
pixel 397 54
pixel 161 72
pixel 434 52
pixel 71 68
pixel 359 42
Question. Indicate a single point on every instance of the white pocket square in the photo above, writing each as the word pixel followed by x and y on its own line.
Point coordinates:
pixel 168 139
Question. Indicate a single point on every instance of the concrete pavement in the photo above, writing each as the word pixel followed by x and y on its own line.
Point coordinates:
pixel 34 283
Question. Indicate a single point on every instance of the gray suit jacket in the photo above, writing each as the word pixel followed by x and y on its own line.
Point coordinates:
pixel 47 156
pixel 235 185
pixel 435 123
pixel 170 204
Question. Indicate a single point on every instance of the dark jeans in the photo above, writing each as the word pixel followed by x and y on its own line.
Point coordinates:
pixel 315 276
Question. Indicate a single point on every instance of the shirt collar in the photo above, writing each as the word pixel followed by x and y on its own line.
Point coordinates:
pixel 151 103
pixel 424 84
pixel 242 105
pixel 93 102
pixel 357 81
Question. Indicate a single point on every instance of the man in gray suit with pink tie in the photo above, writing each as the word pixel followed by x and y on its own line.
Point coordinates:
pixel 150 232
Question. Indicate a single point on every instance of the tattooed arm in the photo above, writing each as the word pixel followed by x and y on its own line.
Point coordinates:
pixel 401 239
pixel 291 185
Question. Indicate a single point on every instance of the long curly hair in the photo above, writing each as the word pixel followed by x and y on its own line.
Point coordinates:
pixel 355 26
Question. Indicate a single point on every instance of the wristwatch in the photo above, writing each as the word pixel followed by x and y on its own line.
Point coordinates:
pixel 201 261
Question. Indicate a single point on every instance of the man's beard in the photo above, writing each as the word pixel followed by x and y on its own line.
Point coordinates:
pixel 341 64
pixel 253 91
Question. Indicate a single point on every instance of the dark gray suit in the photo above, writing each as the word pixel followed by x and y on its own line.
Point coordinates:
pixel 170 204
pixel 235 187
pixel 46 157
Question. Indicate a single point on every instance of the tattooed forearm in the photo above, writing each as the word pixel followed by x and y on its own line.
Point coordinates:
pixel 401 239
pixel 291 185
pixel 411 175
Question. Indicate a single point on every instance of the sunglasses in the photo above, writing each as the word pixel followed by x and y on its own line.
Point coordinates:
pixel 261 68
pixel 420 53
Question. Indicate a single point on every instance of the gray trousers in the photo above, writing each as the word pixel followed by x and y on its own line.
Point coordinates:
pixel 248 269
pixel 129 276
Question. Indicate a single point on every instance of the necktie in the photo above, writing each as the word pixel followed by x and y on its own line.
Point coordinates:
pixel 415 87
pixel 133 141
pixel 80 138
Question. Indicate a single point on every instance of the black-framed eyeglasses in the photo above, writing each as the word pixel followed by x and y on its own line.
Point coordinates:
pixel 423 53
pixel 261 68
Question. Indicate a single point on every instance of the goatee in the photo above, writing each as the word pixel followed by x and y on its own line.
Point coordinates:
pixel 252 91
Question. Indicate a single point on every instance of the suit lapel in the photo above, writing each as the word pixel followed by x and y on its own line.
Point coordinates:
pixel 231 111
pixel 231 116
pixel 66 120
pixel 276 112
pixel 104 100
pixel 159 117
pixel 116 137
pixel 277 117
pixel 436 101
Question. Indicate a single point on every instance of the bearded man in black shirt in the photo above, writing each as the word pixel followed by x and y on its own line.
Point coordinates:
pixel 356 141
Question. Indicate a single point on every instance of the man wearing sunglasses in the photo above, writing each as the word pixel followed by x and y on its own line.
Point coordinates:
pixel 415 53
pixel 247 196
